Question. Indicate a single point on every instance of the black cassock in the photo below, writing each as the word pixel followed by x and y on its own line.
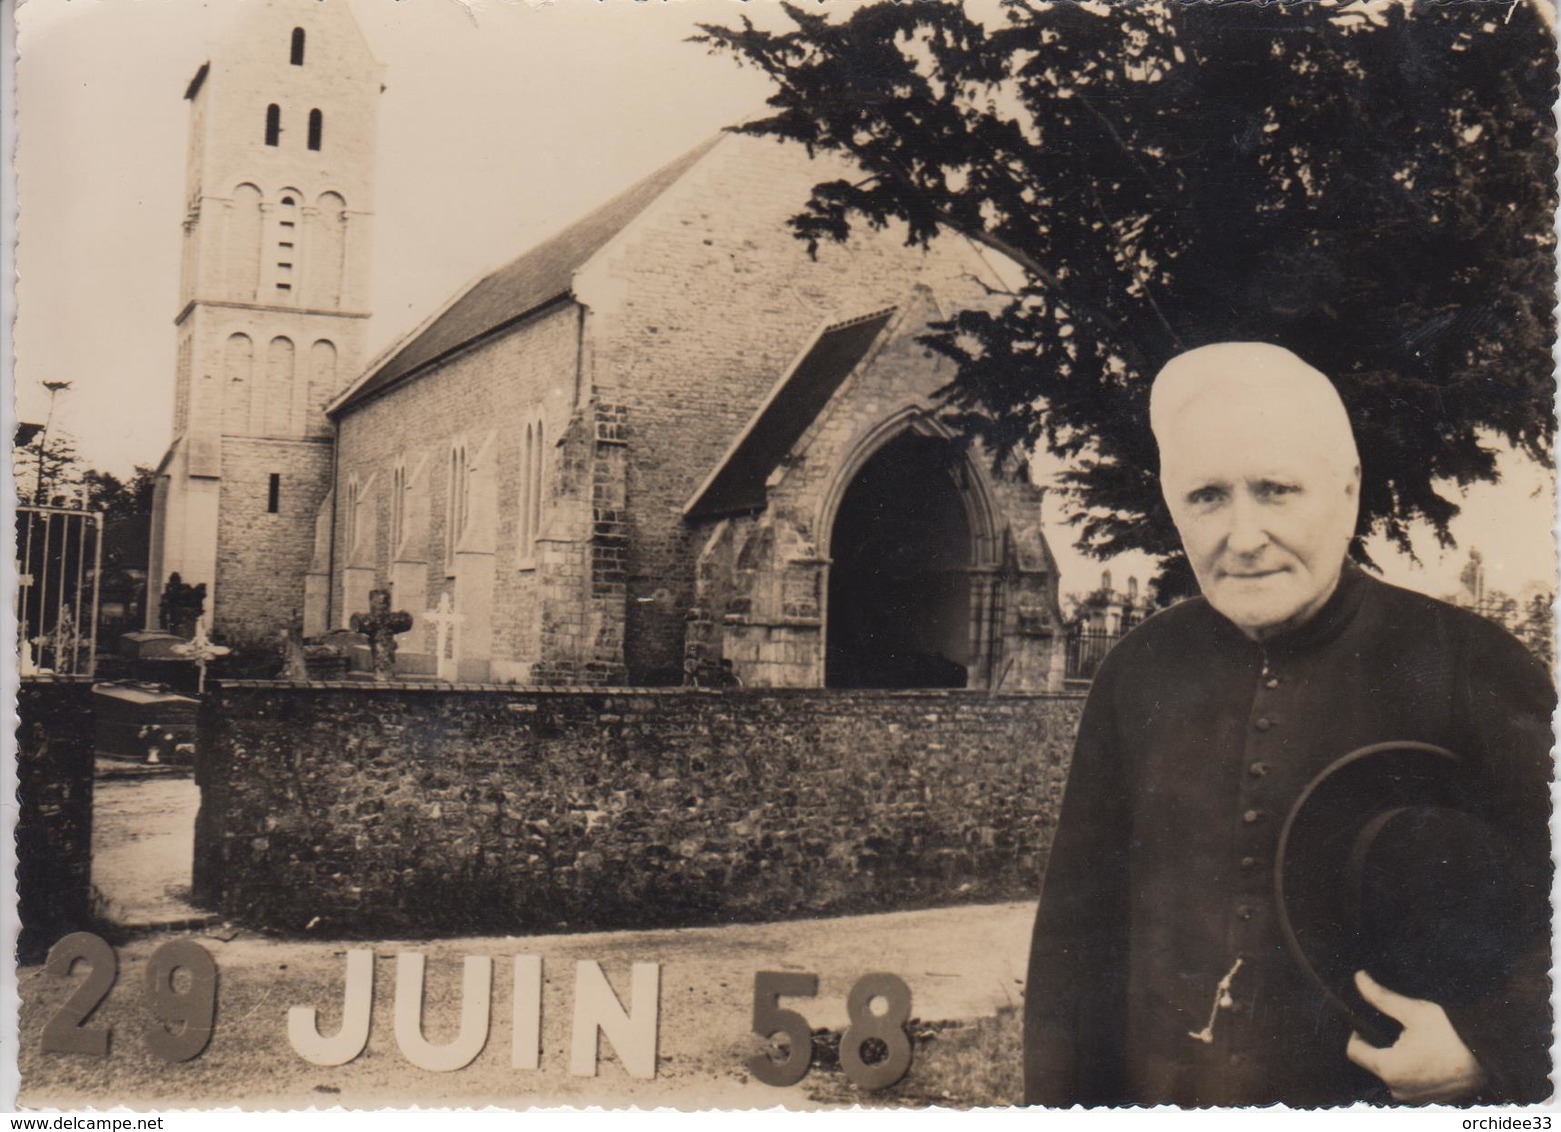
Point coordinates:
pixel 1195 741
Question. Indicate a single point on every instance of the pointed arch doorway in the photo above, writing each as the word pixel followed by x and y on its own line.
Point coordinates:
pixel 902 549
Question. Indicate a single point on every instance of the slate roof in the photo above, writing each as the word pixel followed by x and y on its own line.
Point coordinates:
pixel 540 276
pixel 738 484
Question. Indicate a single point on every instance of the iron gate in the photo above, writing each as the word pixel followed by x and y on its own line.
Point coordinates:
pixel 59 560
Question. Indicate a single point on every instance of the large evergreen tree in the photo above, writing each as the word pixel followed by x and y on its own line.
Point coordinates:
pixel 1370 185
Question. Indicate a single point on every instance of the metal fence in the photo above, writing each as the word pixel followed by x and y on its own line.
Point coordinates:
pixel 1087 647
pixel 59 561
pixel 1530 621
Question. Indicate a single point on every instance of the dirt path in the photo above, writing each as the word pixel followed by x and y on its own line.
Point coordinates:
pixel 960 963
pixel 143 840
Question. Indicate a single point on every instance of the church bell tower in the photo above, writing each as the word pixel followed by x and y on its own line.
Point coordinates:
pixel 273 307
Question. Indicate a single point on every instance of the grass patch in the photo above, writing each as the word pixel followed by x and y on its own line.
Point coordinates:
pixel 953 1064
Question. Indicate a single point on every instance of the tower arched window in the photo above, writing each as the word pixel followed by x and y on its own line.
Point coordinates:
pixel 296 57
pixel 286 243
pixel 273 124
pixel 316 128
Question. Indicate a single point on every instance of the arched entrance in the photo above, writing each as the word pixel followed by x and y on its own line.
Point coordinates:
pixel 901 551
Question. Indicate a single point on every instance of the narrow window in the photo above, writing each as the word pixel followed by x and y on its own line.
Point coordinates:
pixel 273 124
pixel 352 517
pixel 398 506
pixel 530 516
pixel 316 127
pixel 536 490
pixel 297 56
pixel 274 494
pixel 525 496
pixel 458 505
pixel 286 227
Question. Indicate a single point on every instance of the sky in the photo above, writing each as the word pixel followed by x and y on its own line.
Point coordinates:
pixel 502 121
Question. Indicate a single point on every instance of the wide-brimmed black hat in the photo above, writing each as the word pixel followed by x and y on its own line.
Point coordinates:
pixel 1384 866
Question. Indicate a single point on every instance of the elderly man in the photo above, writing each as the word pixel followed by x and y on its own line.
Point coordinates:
pixel 1158 974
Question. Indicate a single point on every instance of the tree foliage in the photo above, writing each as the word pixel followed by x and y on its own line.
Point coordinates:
pixel 117 498
pixel 48 470
pixel 1370 186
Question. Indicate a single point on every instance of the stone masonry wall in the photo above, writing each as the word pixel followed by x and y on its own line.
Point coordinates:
pixel 262 557
pixel 715 297
pixel 54 824
pixel 403 808
pixel 523 376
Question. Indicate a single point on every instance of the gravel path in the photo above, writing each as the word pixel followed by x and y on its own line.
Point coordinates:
pixel 960 963
pixel 143 840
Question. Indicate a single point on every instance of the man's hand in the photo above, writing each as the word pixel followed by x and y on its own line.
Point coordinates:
pixel 1429 1063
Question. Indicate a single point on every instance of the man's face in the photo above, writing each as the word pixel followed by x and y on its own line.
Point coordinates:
pixel 1265 513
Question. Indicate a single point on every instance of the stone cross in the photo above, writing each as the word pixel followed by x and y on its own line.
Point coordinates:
pixel 291 640
pixel 201 650
pixel 445 621
pixel 380 626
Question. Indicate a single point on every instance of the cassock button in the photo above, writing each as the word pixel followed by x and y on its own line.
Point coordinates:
pixel 1258 769
pixel 1243 911
pixel 1264 724
pixel 1252 817
pixel 1249 862
pixel 1271 682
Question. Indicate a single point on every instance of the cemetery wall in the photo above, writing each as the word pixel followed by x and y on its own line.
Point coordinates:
pixel 348 810
pixel 54 822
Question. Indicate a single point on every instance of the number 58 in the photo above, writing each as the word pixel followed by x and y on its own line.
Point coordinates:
pixel 888 1028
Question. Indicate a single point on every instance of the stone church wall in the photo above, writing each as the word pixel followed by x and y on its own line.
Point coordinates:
pixel 715 300
pixel 262 556
pixel 405 808
pixel 523 376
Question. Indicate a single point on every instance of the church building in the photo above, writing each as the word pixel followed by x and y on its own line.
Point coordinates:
pixel 666 446
pixel 273 307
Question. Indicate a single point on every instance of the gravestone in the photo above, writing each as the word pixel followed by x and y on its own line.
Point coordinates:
pixel 181 607
pixel 201 650
pixel 445 621
pixel 380 625
pixel 295 666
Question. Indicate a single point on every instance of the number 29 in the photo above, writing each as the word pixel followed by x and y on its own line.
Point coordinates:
pixel 181 1022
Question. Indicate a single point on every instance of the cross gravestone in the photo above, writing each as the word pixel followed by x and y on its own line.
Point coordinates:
pixel 291 640
pixel 445 621
pixel 201 650
pixel 380 626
